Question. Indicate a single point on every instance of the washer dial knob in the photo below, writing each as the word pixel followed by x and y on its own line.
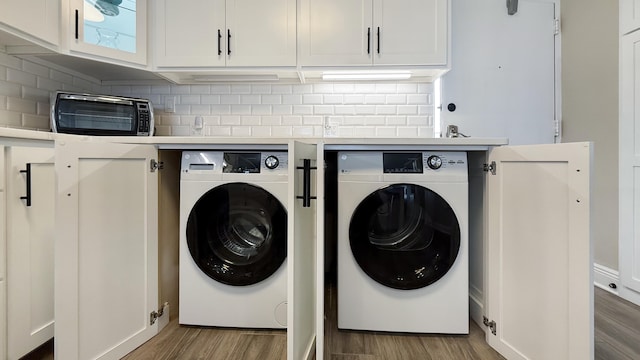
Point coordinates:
pixel 271 162
pixel 434 162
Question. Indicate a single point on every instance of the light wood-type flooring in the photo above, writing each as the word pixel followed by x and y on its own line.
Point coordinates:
pixel 617 337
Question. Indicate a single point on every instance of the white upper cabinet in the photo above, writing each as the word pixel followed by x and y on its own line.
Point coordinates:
pixel 37 18
pixel 374 32
pixel 112 29
pixel 629 16
pixel 199 33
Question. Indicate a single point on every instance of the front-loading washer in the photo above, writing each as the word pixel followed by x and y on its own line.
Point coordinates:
pixel 403 241
pixel 233 239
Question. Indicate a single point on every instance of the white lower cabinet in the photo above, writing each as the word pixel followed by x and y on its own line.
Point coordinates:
pixel 106 268
pixel 29 248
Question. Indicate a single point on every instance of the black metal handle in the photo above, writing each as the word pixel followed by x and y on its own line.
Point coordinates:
pixel 306 183
pixel 378 39
pixel 28 173
pixel 77 35
pixel 219 40
pixel 368 40
pixel 228 42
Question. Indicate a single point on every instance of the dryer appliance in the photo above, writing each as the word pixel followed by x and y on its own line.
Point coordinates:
pixel 233 239
pixel 403 241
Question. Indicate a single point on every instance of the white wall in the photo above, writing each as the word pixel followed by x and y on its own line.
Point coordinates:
pixel 590 108
pixel 359 110
pixel 25 90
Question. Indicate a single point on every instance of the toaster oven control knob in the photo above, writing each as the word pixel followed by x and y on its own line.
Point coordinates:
pixel 434 162
pixel 271 162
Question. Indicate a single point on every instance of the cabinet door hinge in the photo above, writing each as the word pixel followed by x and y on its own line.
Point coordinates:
pixel 490 167
pixel 156 165
pixel 490 324
pixel 556 26
pixel 153 317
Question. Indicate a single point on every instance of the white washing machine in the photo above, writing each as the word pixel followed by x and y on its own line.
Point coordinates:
pixel 403 241
pixel 233 239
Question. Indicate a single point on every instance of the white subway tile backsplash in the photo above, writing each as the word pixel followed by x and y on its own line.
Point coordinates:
pixel 281 89
pixel 231 120
pixel 201 109
pixel 220 109
pixel 313 120
pixel 189 99
pixel 218 130
pixel 240 89
pixel 250 120
pixel 271 99
pixel 323 109
pixel 11 118
pixel 271 120
pixel 200 89
pixel 386 109
pixel 161 89
pixel 407 109
pixel 21 105
pixel 241 131
pixel 292 120
pixel 375 99
pixel 281 109
pixel 312 99
pixel 292 99
pixel 210 99
pixel 230 99
pixel 250 99
pixel 408 132
pixel 32 121
pixel 303 109
pixel 261 109
pixel 21 77
pixel 221 89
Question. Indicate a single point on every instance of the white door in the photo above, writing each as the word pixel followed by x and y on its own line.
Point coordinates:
pixel 301 252
pixel 629 243
pixel 629 15
pixel 502 79
pixel 410 32
pixel 336 32
pixel 39 18
pixel 190 33
pixel 539 280
pixel 261 33
pixel 30 239
pixel 106 254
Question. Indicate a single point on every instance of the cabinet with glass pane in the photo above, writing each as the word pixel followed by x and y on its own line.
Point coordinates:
pixel 114 29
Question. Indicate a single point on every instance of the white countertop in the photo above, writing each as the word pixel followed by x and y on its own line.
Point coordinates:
pixel 10 135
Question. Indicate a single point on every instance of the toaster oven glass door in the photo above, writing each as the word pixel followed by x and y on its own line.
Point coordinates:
pixel 96 118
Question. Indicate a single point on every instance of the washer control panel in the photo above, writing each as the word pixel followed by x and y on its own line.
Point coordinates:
pixel 396 163
pixel 234 162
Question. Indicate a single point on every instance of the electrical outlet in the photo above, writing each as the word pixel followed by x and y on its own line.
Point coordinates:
pixel 331 126
pixel 170 104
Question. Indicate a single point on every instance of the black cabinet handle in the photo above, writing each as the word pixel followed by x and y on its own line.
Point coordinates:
pixel 219 39
pixel 306 183
pixel 378 39
pixel 228 42
pixel 368 40
pixel 28 173
pixel 77 35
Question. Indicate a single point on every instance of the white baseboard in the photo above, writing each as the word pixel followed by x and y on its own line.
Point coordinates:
pixel 606 278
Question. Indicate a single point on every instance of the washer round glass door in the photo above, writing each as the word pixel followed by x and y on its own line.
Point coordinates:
pixel 404 236
pixel 237 234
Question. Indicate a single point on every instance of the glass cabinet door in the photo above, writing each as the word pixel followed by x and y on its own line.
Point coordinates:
pixel 110 28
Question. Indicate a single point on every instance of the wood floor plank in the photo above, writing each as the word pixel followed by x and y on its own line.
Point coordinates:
pixel 259 347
